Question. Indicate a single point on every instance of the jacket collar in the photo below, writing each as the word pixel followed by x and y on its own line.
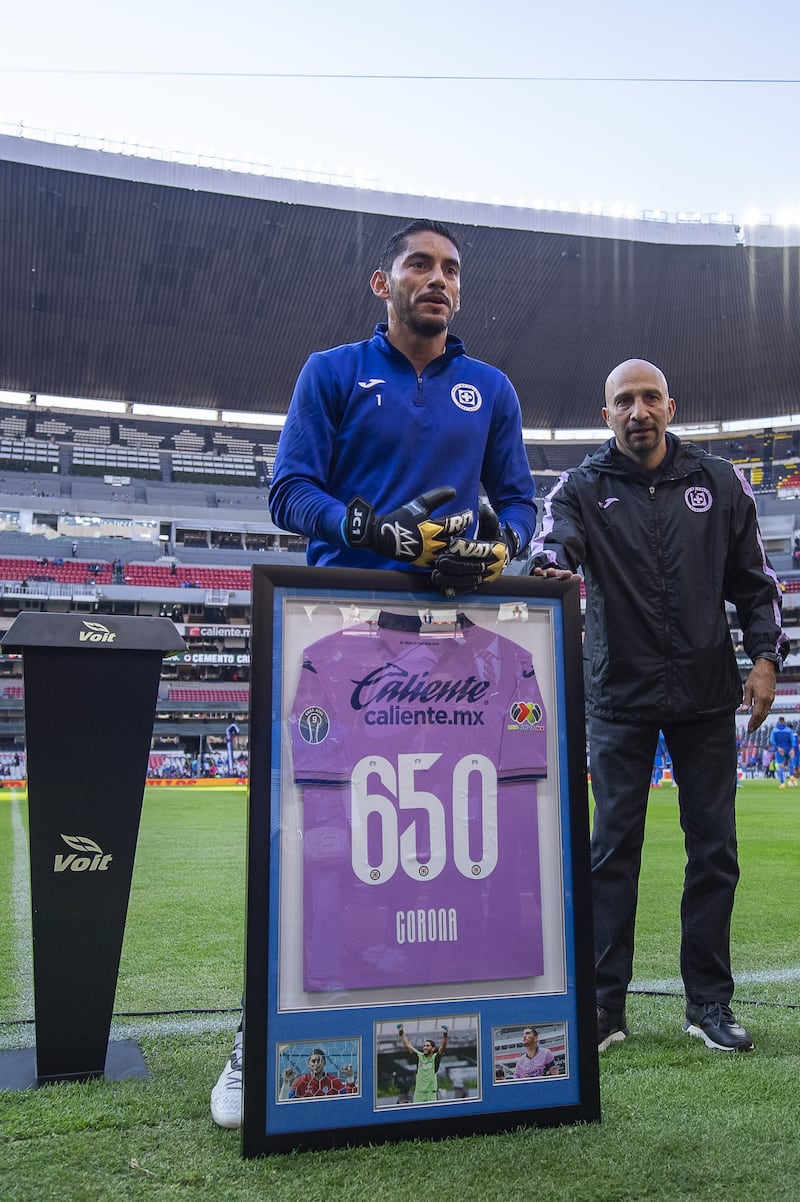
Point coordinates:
pixel 682 458
pixel 453 346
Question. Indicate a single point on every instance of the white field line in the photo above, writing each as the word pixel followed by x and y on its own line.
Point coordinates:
pixel 22 946
pixel 763 977
pixel 185 1024
pixel 23 1035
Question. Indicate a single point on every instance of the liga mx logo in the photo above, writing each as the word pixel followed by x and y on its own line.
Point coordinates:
pixel 525 713
pixel 466 397
pixel 699 500
pixel 314 725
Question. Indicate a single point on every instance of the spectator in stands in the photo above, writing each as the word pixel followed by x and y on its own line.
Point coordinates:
pixel 402 425
pixel 73 549
pixel 665 534
pixel 383 433
pixel 796 552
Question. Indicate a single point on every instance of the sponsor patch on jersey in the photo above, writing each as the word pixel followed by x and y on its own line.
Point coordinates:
pixel 466 397
pixel 525 713
pixel 313 724
pixel 698 499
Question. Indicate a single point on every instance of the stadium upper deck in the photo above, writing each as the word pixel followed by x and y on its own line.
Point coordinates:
pixel 148 282
pixel 154 282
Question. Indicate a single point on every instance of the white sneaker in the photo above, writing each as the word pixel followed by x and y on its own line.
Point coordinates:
pixel 226 1096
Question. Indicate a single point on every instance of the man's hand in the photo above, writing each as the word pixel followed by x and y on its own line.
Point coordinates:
pixel 759 692
pixel 408 534
pixel 555 573
pixel 469 562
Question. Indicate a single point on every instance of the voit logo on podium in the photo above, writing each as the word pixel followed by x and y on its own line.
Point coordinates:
pixel 86 856
pixel 95 632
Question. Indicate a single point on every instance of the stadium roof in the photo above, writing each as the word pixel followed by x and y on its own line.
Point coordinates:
pixel 141 280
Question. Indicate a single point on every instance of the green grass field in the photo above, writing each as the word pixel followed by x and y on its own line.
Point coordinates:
pixel 679 1122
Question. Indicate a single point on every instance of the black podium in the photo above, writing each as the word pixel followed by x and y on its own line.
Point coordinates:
pixel 91 686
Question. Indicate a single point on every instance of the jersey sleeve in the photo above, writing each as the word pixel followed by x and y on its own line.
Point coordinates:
pixel 523 743
pixel 320 737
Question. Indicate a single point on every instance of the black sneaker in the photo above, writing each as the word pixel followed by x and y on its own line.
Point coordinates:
pixel 714 1023
pixel 611 1028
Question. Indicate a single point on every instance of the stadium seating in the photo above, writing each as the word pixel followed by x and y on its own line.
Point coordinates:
pixel 150 575
pixel 24 453
pixel 72 571
pixel 224 694
pixel 790 481
pixel 143 575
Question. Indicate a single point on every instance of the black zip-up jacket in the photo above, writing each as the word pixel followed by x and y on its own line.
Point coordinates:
pixel 661 552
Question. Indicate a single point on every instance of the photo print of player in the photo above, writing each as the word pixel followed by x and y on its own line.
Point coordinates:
pixel 421 1061
pixel 318 1070
pixel 529 1053
pixel 418 752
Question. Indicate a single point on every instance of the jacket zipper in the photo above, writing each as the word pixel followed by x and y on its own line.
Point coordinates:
pixel 665 618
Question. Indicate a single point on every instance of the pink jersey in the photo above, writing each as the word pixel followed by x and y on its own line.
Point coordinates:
pixel 536 1065
pixel 418 757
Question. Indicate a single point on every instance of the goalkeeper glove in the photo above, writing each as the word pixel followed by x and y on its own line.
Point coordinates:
pixel 409 533
pixel 468 563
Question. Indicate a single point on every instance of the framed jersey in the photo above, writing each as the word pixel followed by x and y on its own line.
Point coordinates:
pixel 417 858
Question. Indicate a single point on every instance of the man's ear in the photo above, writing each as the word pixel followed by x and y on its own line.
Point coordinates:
pixel 379 284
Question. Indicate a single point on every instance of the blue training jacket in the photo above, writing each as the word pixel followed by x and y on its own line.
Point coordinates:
pixel 362 423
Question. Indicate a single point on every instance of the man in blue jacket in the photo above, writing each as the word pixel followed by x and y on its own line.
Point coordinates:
pixel 665 534
pixel 387 441
pixel 385 449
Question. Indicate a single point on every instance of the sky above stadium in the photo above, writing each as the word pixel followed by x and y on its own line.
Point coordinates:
pixel 677 108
